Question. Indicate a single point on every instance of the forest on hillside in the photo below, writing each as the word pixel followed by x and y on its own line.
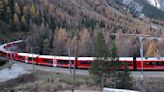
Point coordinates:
pixel 53 26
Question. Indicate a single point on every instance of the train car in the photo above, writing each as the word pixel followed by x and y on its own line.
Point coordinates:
pixel 27 57
pixel 11 55
pixel 8 45
pixel 63 61
pixel 84 62
pixel 150 63
pixel 46 60
pixel 6 54
pixel 129 61
pixel 2 54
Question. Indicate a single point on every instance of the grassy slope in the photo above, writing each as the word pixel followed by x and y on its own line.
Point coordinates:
pixel 39 81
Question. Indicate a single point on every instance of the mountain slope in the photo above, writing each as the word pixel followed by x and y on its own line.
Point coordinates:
pixel 151 11
pixel 157 3
pixel 56 25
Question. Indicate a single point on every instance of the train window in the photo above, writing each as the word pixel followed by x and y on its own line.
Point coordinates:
pixel 5 54
pixel 160 63
pixel 30 58
pixel 147 63
pixel 85 62
pixel 48 61
pixel 65 62
pixel 127 63
pixel 155 63
pixel 152 63
pixel 20 57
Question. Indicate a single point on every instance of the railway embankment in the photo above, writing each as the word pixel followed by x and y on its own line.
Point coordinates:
pixel 10 71
pixel 44 81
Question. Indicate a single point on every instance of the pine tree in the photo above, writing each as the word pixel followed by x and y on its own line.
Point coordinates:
pixel 46 46
pixel 109 68
pixel 12 9
pixel 98 68
pixel 124 80
pixel 101 50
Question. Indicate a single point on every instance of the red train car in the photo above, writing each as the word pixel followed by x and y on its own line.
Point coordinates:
pixel 46 60
pixel 27 58
pixel 63 61
pixel 84 62
pixel 129 61
pixel 151 63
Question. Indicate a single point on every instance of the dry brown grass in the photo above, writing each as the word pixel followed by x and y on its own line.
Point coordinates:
pixel 39 81
pixel 149 84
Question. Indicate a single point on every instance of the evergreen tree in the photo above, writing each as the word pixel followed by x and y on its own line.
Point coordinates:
pixel 124 79
pixel 121 79
pixel 109 68
pixel 46 46
pixel 99 67
pixel 12 9
pixel 101 49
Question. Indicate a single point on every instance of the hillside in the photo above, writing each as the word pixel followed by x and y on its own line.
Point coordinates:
pixel 150 10
pixel 53 26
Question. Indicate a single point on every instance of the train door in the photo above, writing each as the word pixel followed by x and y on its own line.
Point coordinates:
pixel 75 63
pixel 134 63
pixel 54 63
pixel 26 59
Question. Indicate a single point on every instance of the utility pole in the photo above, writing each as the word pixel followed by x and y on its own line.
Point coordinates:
pixel 32 58
pixel 70 63
pixel 12 54
pixel 69 53
pixel 141 53
pixel 74 69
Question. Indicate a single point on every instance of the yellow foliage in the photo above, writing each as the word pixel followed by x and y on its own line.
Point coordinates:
pixel 32 9
pixel 23 20
pixel 151 51
pixel 17 8
pixel 16 19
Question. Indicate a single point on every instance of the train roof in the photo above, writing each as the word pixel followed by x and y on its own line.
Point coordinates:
pixel 93 58
pixel 28 54
pixel 65 57
pixel 46 56
pixel 56 57
pixel 126 58
pixel 86 58
pixel 2 47
pixel 150 58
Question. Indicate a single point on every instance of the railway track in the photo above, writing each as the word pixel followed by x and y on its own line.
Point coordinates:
pixel 136 74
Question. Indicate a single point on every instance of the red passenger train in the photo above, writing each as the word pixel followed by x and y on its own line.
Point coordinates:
pixel 151 63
